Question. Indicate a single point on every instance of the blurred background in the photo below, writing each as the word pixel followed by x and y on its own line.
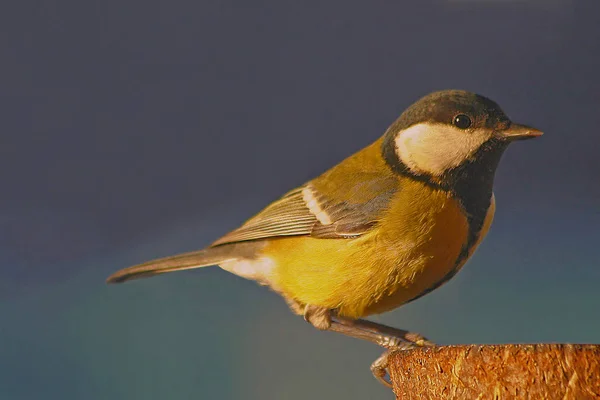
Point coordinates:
pixel 137 129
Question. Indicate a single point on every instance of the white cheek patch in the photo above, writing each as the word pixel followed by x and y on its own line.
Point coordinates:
pixel 436 148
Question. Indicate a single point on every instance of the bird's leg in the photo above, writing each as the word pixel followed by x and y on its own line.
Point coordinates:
pixel 318 317
pixel 391 339
pixel 385 331
pixel 382 335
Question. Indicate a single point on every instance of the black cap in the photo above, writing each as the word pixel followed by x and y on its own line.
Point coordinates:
pixel 443 106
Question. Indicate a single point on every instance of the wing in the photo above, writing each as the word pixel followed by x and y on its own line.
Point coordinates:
pixel 348 210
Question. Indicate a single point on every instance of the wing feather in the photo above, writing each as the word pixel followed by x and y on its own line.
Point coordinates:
pixel 305 211
pixel 345 201
pixel 287 216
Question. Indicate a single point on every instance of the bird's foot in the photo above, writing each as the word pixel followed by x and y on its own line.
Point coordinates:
pixel 393 345
pixel 403 341
pixel 379 368
pixel 392 339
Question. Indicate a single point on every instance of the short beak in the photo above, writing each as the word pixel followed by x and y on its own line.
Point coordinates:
pixel 519 132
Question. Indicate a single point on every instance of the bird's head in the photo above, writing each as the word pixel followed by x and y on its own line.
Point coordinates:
pixel 446 131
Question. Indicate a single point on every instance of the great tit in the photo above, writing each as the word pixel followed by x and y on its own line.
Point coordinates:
pixel 384 227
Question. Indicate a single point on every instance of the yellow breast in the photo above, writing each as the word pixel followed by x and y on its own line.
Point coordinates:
pixel 415 244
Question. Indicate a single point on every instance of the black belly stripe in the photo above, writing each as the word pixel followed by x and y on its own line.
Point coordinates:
pixel 471 184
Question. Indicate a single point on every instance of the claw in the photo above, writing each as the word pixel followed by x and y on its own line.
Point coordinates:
pixel 379 369
pixel 391 339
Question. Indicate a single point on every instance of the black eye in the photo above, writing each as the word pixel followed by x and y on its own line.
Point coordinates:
pixel 461 121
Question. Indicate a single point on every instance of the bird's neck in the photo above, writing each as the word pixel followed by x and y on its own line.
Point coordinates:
pixel 471 183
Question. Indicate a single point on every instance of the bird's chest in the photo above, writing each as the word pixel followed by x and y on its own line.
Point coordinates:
pixel 420 241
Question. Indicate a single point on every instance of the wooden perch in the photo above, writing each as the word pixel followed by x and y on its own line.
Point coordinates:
pixel 519 371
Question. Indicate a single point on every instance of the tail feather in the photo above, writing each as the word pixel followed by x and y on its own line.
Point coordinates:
pixel 197 259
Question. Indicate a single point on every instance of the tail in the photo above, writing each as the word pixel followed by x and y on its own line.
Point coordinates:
pixel 196 259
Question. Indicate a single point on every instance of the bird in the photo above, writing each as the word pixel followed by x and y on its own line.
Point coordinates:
pixel 387 225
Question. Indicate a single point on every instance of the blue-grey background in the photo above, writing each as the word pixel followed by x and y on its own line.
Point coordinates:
pixel 136 129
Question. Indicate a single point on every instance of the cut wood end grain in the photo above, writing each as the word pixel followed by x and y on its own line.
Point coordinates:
pixel 512 371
